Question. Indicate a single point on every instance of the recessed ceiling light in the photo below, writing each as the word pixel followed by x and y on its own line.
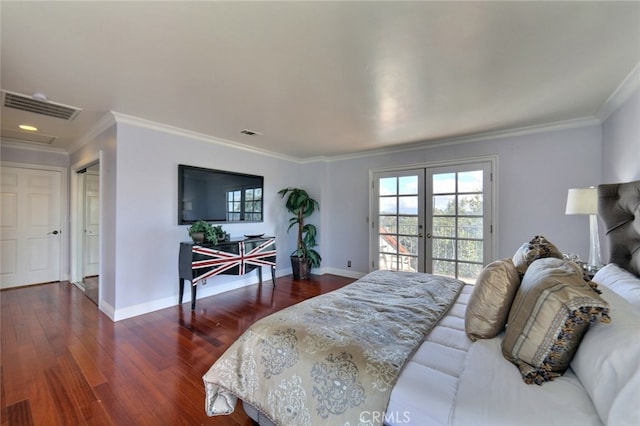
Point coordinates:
pixel 40 97
pixel 28 127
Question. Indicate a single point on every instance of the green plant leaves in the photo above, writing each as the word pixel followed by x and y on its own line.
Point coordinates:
pixel 301 206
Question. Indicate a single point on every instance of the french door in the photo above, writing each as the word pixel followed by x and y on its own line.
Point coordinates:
pixel 433 219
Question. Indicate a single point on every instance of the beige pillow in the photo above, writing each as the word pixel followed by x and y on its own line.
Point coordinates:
pixel 539 247
pixel 490 301
pixel 549 316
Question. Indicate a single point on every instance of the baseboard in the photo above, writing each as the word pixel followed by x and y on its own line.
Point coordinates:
pixel 344 272
pixel 207 290
pixel 107 309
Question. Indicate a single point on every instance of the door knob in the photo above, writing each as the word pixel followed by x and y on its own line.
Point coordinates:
pixel 53 232
pixel 429 235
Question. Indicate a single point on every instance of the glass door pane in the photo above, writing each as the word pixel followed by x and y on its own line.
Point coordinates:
pixel 433 219
pixel 399 221
pixel 456 243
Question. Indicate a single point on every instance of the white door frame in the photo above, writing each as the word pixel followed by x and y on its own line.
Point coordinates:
pixel 64 211
pixel 492 159
pixel 77 221
pixel 90 231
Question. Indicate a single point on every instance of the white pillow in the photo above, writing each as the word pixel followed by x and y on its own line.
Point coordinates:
pixel 608 363
pixel 620 281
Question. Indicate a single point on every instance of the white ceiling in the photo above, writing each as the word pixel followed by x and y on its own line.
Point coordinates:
pixel 318 78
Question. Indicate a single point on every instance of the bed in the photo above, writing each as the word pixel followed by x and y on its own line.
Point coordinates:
pixel 400 348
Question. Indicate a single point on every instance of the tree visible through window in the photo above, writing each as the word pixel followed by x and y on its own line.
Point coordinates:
pixel 433 219
pixel 458 223
pixel 244 204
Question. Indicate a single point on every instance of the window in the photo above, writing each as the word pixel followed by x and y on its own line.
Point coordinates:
pixel 244 204
pixel 434 219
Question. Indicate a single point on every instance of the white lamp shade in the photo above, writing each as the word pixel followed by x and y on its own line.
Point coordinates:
pixel 582 201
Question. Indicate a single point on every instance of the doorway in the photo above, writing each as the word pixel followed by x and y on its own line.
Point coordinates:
pixel 31 224
pixel 435 219
pixel 87 236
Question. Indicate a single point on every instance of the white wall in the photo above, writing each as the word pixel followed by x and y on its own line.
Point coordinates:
pixel 103 147
pixel 146 231
pixel 621 143
pixel 534 173
pixel 139 268
pixel 18 154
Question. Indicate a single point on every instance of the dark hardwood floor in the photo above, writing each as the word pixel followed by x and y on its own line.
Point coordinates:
pixel 91 288
pixel 63 362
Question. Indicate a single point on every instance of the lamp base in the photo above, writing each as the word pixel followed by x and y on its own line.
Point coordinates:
pixel 595 262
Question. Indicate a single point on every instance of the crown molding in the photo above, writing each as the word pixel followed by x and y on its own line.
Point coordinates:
pixel 522 131
pixel 165 128
pixel 101 125
pixel 628 86
pixel 499 134
pixel 28 146
pixel 631 83
pixel 114 117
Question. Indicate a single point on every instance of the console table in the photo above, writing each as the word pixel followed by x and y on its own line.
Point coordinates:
pixel 197 262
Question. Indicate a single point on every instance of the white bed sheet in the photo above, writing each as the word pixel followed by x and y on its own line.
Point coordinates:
pixel 427 387
pixel 453 381
pixel 494 394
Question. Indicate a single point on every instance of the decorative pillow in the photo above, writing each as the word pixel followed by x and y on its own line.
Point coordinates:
pixel 491 299
pixel 549 316
pixel 621 281
pixel 608 363
pixel 539 247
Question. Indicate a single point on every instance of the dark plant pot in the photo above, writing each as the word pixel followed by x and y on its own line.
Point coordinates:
pixel 301 268
pixel 198 237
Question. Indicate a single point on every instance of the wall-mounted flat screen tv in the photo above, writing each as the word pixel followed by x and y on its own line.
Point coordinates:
pixel 218 196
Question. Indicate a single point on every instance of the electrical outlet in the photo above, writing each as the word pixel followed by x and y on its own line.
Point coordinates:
pixel 348 264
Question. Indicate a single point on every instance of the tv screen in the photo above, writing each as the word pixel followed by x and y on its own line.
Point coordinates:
pixel 218 196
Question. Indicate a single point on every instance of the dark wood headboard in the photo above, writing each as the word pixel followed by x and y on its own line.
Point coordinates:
pixel 619 209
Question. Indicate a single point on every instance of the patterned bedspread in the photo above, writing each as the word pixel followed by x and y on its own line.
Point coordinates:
pixel 332 359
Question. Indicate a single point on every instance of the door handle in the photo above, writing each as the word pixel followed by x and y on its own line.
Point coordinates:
pixel 56 232
pixel 429 235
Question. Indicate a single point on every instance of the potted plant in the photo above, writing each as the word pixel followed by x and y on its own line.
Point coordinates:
pixel 198 231
pixel 202 231
pixel 301 206
pixel 215 234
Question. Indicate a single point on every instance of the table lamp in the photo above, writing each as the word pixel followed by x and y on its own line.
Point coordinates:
pixel 585 201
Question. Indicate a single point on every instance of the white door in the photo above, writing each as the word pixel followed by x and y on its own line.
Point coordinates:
pixel 398 220
pixel 30 226
pixel 91 224
pixel 458 242
pixel 433 219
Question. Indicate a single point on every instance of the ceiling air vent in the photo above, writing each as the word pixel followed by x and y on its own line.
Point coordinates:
pixel 29 104
pixel 250 132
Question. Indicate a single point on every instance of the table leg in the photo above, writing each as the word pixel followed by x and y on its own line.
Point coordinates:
pixel 273 275
pixel 181 291
pixel 259 269
pixel 194 287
